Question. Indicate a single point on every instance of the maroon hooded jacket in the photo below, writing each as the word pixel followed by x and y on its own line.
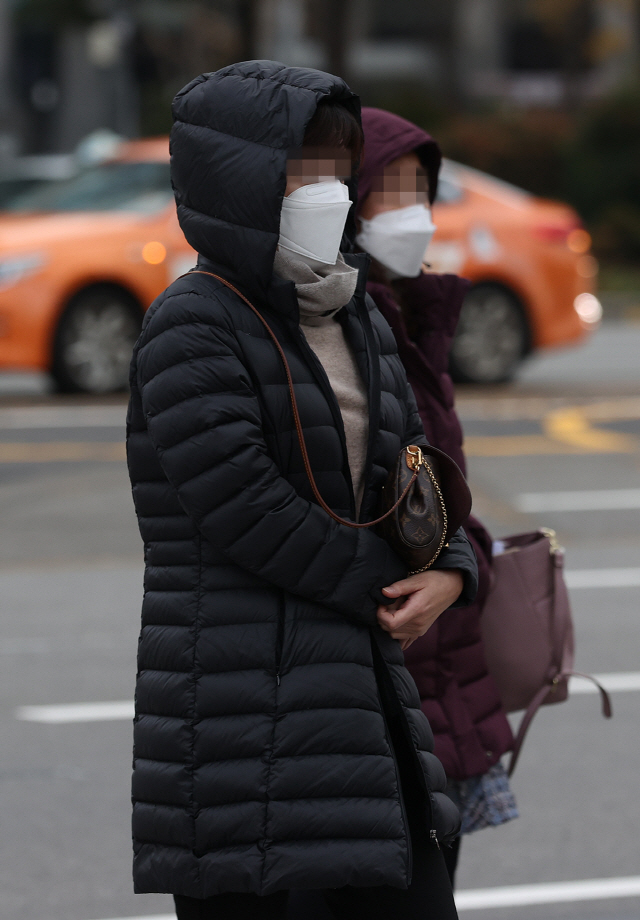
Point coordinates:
pixel 458 695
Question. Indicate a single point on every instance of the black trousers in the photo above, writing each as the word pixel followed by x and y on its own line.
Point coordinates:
pixel 429 897
pixel 451 856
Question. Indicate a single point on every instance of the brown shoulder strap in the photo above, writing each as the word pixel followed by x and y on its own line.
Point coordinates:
pixel 296 415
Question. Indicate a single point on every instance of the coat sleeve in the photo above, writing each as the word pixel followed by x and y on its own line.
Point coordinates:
pixel 459 553
pixel 203 419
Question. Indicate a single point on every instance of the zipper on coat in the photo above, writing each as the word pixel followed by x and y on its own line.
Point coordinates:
pixel 403 808
pixel 382 672
pixel 405 816
pixel 433 834
pixel 280 637
pixel 406 731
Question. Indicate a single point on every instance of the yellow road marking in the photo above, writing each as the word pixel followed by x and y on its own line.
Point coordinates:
pixel 57 451
pixel 569 430
pixel 573 427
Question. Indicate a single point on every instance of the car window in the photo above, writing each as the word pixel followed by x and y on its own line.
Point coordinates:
pixel 12 188
pixel 448 190
pixel 460 175
pixel 140 187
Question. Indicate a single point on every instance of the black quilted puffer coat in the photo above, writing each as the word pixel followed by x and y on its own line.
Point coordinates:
pixel 262 754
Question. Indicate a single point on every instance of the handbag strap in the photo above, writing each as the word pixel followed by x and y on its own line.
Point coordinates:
pixel 296 417
pixel 561 631
pixel 539 699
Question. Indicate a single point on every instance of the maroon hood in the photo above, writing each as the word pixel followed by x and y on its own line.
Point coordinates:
pixel 387 137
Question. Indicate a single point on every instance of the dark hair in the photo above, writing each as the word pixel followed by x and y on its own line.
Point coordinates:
pixel 333 125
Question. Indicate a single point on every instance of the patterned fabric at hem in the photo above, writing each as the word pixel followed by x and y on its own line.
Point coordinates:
pixel 484 801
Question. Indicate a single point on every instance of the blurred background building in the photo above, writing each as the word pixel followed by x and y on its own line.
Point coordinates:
pixel 544 93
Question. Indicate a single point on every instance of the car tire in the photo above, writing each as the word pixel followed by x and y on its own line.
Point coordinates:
pixel 492 336
pixel 94 340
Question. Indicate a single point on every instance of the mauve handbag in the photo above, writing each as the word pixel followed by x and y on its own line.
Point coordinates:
pixel 527 628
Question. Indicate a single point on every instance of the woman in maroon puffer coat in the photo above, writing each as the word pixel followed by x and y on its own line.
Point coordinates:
pixel 398 180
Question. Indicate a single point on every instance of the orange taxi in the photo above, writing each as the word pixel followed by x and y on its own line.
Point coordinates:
pixel 530 266
pixel 81 259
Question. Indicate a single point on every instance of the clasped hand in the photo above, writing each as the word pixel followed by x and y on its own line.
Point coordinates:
pixel 420 601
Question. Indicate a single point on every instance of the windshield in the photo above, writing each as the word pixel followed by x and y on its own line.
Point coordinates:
pixel 448 190
pixel 12 188
pixel 140 187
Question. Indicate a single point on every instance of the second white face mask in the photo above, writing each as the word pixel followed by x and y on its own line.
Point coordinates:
pixel 398 239
pixel 312 222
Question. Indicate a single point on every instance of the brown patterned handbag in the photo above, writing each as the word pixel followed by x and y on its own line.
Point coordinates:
pixel 424 500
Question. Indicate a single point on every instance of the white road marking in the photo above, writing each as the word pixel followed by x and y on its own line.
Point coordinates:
pixel 549 893
pixel 620 682
pixel 587 500
pixel 597 889
pixel 27 417
pixel 148 917
pixel 77 712
pixel 603 578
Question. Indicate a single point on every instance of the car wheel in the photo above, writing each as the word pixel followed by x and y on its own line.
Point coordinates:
pixel 492 336
pixel 94 341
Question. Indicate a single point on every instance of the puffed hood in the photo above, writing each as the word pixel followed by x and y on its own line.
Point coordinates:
pixel 229 143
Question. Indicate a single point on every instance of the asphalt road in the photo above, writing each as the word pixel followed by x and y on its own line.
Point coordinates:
pixel 70 591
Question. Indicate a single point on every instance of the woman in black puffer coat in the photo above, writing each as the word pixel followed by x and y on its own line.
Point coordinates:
pixel 275 721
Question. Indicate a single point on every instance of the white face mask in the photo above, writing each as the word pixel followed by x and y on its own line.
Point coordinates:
pixel 312 222
pixel 398 239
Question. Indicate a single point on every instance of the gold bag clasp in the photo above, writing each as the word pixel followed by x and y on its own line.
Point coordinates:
pixel 414 458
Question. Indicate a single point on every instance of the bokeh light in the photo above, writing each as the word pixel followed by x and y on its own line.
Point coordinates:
pixel 579 241
pixel 588 308
pixel 154 252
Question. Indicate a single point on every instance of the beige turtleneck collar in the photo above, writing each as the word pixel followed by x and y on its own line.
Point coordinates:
pixel 322 292
pixel 320 296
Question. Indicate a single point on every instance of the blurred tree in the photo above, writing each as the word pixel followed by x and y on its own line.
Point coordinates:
pixel 591 161
pixel 426 109
pixel 525 147
pixel 603 177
